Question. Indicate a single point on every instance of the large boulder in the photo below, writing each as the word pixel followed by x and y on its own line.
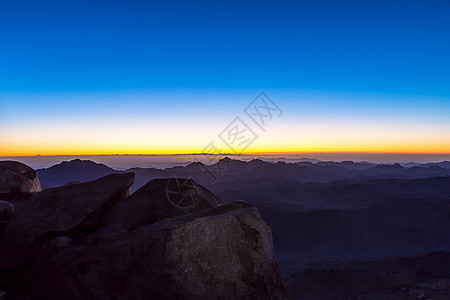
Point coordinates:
pixel 73 209
pixel 16 177
pixel 220 253
pixel 150 245
pixel 160 199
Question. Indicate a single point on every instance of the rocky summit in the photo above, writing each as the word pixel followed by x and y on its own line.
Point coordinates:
pixel 160 199
pixel 171 239
pixel 16 177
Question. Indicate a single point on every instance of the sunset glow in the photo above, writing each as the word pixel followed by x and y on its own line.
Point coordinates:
pixel 356 86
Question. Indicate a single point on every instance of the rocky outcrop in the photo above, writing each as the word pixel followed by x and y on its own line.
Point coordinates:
pixel 72 209
pixel 160 199
pixel 16 177
pixel 6 210
pixel 172 239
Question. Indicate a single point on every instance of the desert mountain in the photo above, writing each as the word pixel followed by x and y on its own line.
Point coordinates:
pixel 76 170
pixel 228 169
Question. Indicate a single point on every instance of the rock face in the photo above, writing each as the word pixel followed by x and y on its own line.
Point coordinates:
pixel 162 198
pixel 73 209
pixel 6 210
pixel 16 177
pixel 172 239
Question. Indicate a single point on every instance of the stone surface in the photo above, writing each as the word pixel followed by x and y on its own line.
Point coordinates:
pixel 162 198
pixel 16 177
pixel 74 209
pixel 220 253
pixel 151 245
pixel 6 210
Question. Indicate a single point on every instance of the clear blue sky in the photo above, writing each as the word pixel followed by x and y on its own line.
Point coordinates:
pixel 385 51
pixel 376 46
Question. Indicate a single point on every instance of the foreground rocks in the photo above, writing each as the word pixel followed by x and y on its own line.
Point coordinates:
pixel 72 209
pixel 6 210
pixel 16 177
pixel 160 199
pixel 172 239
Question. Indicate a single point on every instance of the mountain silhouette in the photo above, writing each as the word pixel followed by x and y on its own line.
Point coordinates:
pixel 76 170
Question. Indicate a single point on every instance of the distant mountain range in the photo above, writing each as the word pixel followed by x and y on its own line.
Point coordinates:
pixel 228 169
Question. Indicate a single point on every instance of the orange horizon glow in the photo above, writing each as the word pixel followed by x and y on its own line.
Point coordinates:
pixel 106 148
pixel 264 146
pixel 368 126
pixel 252 153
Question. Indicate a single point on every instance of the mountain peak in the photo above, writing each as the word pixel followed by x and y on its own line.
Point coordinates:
pixel 70 171
pixel 226 159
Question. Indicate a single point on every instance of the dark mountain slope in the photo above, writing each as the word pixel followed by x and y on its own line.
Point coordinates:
pixel 71 171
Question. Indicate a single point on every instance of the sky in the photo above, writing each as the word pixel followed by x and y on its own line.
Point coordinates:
pixel 135 77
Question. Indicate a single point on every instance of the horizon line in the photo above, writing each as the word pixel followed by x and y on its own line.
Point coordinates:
pixel 234 154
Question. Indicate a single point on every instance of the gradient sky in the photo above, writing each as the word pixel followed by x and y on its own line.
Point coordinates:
pixel 93 77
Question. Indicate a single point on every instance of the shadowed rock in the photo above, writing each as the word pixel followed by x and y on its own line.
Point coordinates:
pixel 154 244
pixel 159 199
pixel 6 210
pixel 220 253
pixel 73 209
pixel 16 177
